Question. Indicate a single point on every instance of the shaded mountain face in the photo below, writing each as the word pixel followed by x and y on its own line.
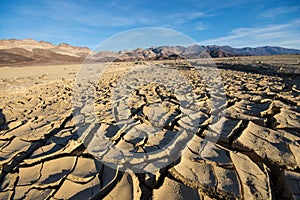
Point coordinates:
pixel 28 52
pixel 257 51
pixel 10 58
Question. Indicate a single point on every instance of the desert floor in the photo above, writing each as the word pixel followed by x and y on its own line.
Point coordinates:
pixel 244 119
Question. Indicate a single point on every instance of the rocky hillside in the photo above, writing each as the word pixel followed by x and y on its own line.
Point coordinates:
pixel 28 52
pixel 195 51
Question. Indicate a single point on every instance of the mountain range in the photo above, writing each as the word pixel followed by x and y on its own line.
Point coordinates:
pixel 30 52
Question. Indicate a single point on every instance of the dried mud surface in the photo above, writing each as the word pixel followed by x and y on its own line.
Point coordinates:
pixel 256 156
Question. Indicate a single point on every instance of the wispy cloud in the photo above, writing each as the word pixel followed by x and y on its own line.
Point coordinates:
pixel 98 15
pixel 272 13
pixel 183 18
pixel 286 35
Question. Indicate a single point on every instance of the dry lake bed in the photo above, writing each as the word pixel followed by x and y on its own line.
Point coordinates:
pixel 242 118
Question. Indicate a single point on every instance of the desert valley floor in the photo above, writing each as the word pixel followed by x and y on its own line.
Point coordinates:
pixel 256 155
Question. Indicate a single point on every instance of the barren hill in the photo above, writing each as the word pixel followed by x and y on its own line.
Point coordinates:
pixel 28 52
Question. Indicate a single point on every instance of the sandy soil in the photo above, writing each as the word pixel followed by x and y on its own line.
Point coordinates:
pixel 256 131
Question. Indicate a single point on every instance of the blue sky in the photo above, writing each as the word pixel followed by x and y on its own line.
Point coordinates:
pixel 237 23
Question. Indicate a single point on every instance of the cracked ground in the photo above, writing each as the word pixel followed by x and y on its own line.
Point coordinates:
pixel 251 151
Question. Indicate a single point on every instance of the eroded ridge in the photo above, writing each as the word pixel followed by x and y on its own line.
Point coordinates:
pixel 256 155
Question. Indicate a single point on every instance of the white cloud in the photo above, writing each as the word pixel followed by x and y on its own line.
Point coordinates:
pixel 91 15
pixel 182 18
pixel 272 13
pixel 110 14
pixel 285 35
